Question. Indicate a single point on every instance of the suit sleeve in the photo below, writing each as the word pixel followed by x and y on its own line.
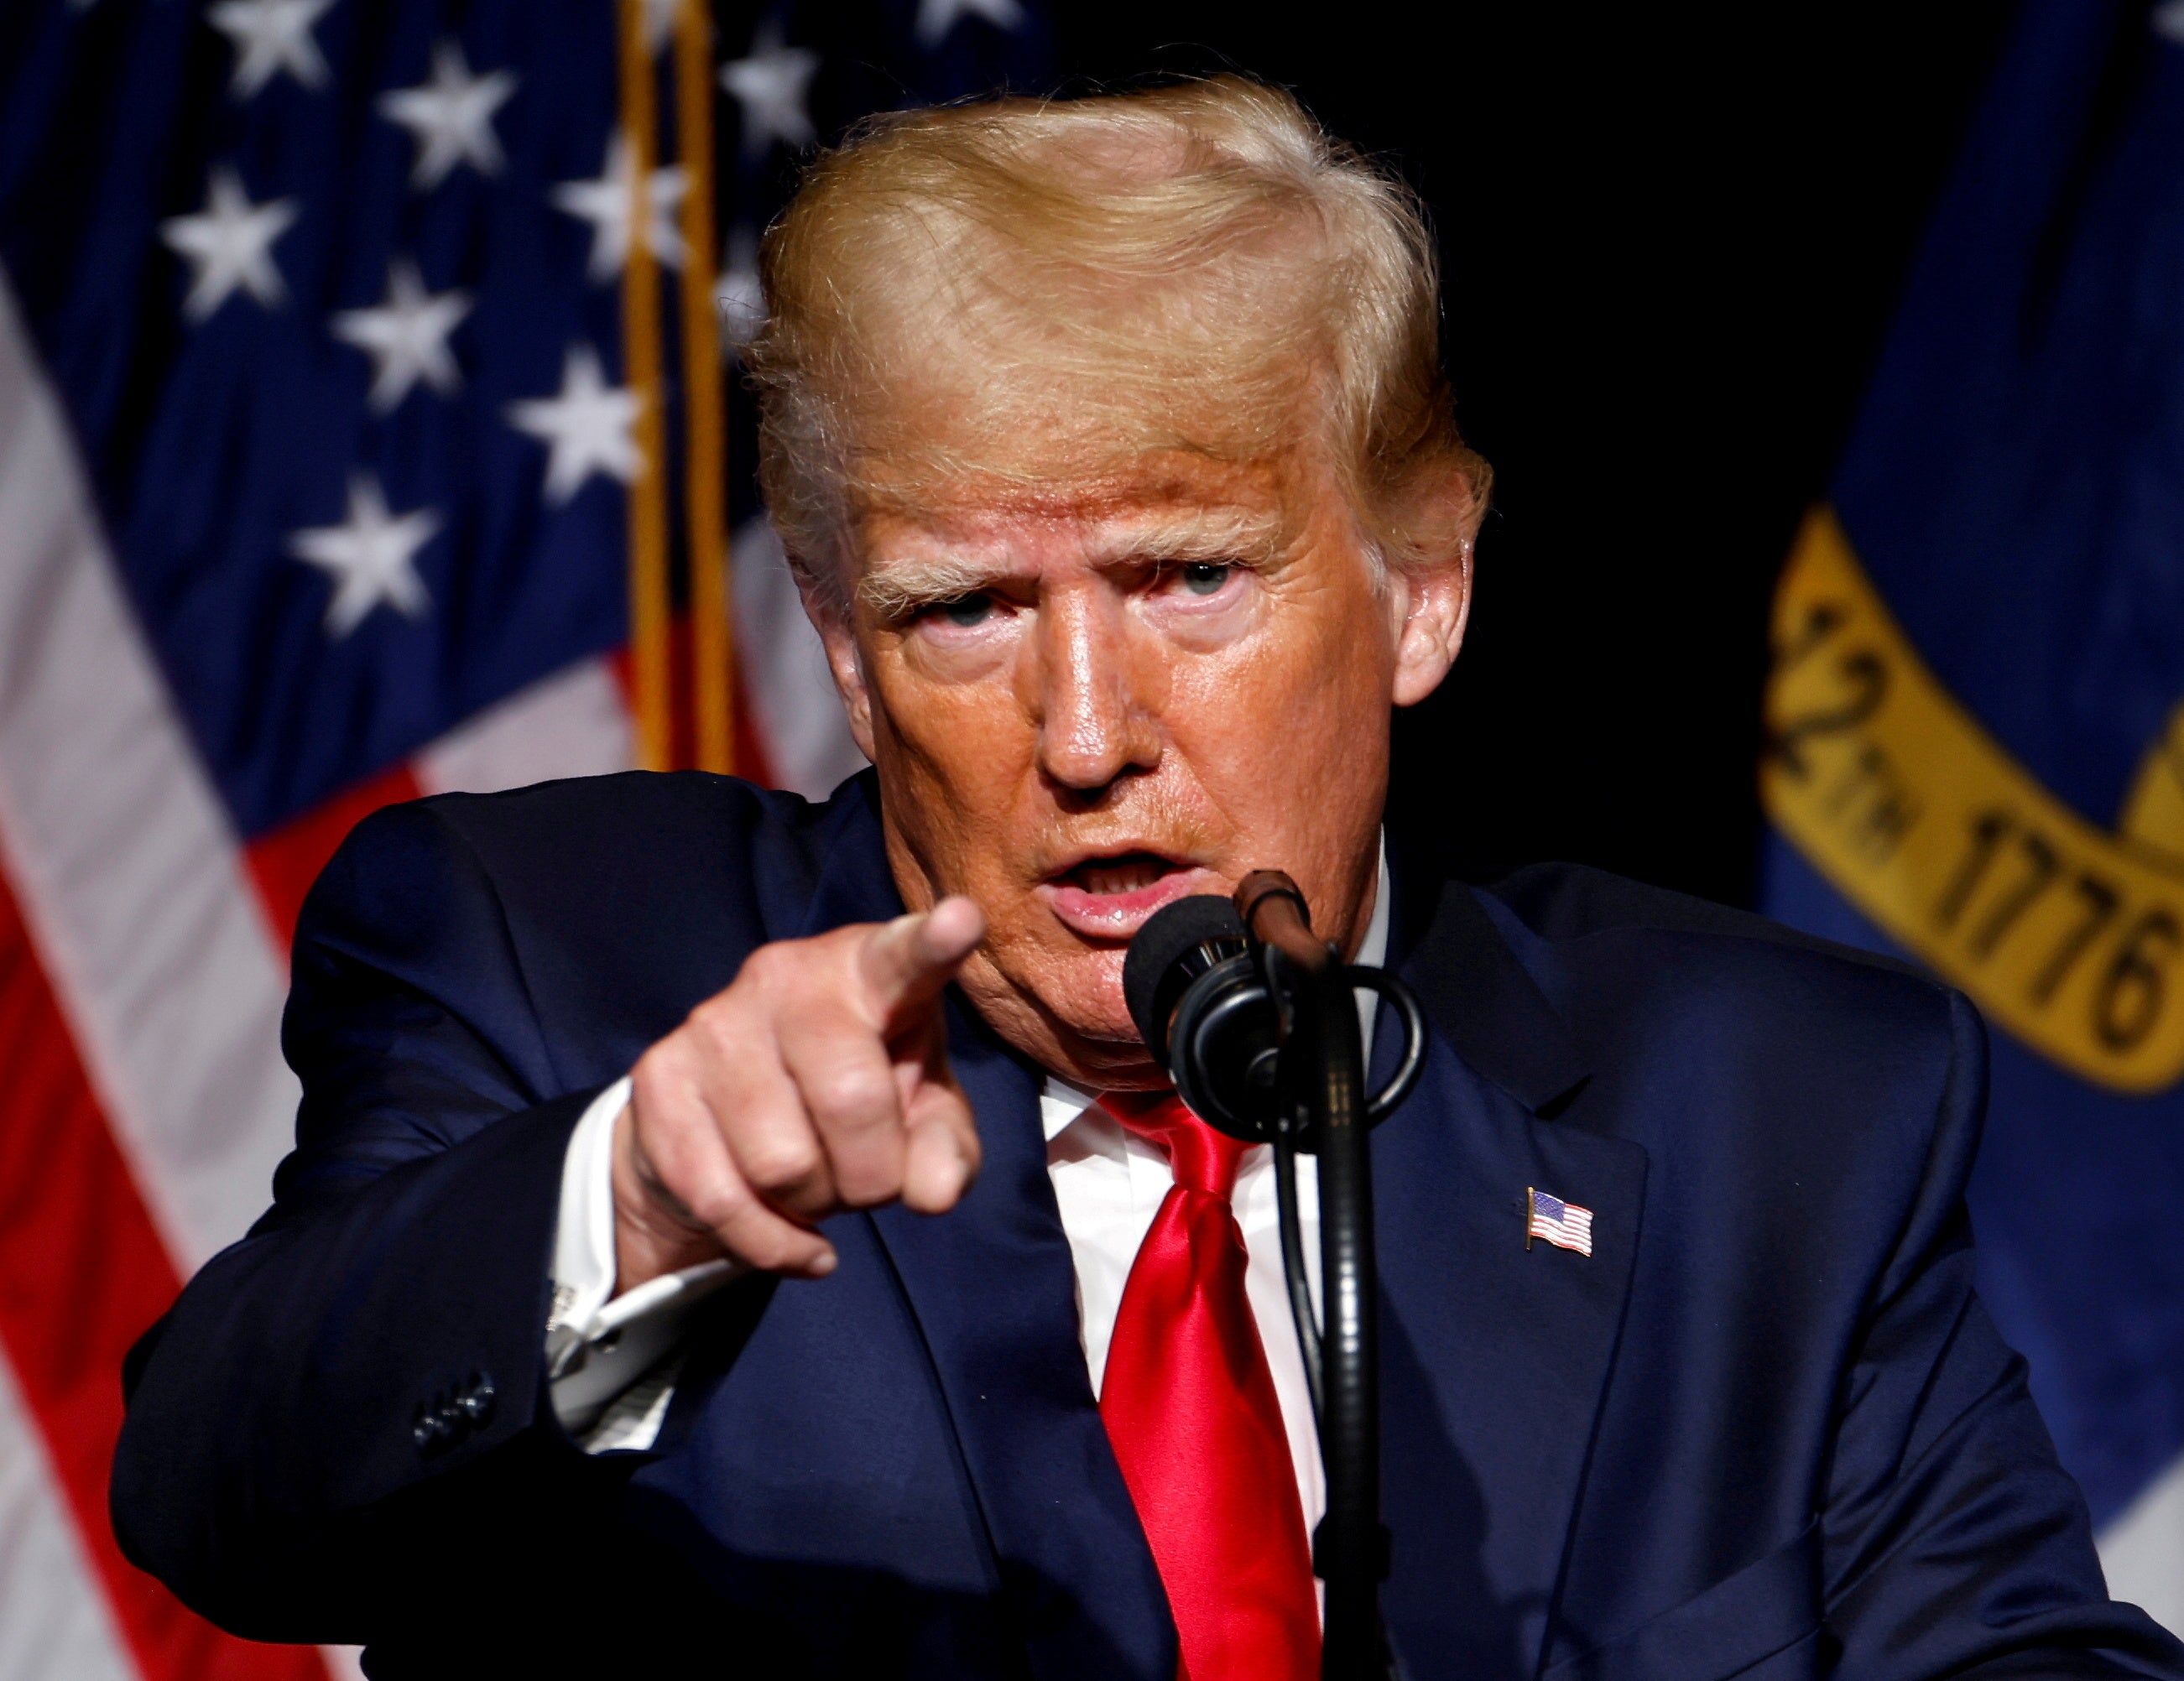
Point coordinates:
pixel 1954 1543
pixel 362 1372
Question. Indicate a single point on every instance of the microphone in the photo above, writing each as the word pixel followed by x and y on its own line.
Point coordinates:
pixel 1206 1014
pixel 1254 1017
pixel 1196 984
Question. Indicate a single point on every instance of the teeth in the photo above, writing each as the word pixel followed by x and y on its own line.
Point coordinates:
pixel 1123 878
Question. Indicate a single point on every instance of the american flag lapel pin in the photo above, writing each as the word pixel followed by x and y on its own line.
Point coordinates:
pixel 1564 1224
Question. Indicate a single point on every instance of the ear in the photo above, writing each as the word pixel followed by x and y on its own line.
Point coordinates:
pixel 1430 605
pixel 845 664
pixel 1429 596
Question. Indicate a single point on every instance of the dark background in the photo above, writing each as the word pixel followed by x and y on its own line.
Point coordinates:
pixel 1672 240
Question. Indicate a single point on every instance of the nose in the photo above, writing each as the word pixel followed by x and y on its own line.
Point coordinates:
pixel 1095 693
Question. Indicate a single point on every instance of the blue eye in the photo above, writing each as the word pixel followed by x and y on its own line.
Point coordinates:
pixel 967 611
pixel 1204 577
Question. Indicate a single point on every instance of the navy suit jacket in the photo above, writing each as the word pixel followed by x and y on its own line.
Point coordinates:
pixel 1765 1429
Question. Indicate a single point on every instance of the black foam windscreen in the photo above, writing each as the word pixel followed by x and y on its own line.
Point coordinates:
pixel 1159 964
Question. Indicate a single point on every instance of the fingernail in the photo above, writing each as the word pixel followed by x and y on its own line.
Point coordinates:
pixel 823 1263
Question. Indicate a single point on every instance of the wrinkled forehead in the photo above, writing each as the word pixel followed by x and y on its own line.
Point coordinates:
pixel 1164 505
pixel 1155 500
pixel 961 451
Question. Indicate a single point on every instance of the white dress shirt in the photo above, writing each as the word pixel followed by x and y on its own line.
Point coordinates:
pixel 613 1362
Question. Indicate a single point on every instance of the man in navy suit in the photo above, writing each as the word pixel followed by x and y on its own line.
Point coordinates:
pixel 714 1218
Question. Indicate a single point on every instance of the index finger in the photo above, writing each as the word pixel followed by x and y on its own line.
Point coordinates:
pixel 907 962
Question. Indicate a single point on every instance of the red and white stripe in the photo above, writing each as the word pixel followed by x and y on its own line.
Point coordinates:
pixel 143 966
pixel 1572 1230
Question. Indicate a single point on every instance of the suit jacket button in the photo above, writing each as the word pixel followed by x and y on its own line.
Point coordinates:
pixel 476 1404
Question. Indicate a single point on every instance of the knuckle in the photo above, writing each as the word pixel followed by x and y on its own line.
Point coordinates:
pixel 656 1086
pixel 785 983
pixel 772 968
pixel 779 1167
pixel 722 1203
pixel 716 1021
pixel 849 937
pixel 665 1174
pixel 854 1094
pixel 662 1060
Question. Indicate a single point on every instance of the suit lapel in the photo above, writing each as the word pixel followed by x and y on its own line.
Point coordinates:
pixel 1495 1356
pixel 993 1291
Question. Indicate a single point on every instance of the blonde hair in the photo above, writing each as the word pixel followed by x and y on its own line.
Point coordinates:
pixel 966 299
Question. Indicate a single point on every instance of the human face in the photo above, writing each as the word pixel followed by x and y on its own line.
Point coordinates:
pixel 1085 706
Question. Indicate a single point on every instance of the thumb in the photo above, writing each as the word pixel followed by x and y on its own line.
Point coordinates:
pixel 907 962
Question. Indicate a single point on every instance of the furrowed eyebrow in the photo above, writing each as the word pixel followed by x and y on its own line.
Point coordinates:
pixel 894 593
pixel 900 590
pixel 1227 535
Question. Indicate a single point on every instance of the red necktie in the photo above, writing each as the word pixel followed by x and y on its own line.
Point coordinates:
pixel 1188 1403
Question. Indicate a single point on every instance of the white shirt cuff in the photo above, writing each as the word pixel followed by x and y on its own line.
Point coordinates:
pixel 598 1345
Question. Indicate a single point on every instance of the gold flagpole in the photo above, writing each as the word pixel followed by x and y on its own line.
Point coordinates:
pixel 706 487
pixel 649 608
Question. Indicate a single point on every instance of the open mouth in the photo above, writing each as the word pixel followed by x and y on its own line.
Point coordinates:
pixel 1110 896
pixel 1128 874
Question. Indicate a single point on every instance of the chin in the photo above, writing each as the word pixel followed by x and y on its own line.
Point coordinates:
pixel 1087 999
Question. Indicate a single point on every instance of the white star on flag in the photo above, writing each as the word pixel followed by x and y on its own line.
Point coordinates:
pixel 451 114
pixel 371 558
pixel 271 36
pixel 606 204
pixel 737 297
pixel 406 337
pixel 771 85
pixel 230 244
pixel 589 426
pixel 935 18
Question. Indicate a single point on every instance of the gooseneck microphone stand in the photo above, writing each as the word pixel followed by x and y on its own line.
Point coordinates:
pixel 1320 1096
pixel 1256 1018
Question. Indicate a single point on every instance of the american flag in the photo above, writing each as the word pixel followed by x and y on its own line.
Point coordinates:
pixel 363 404
pixel 1564 1224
